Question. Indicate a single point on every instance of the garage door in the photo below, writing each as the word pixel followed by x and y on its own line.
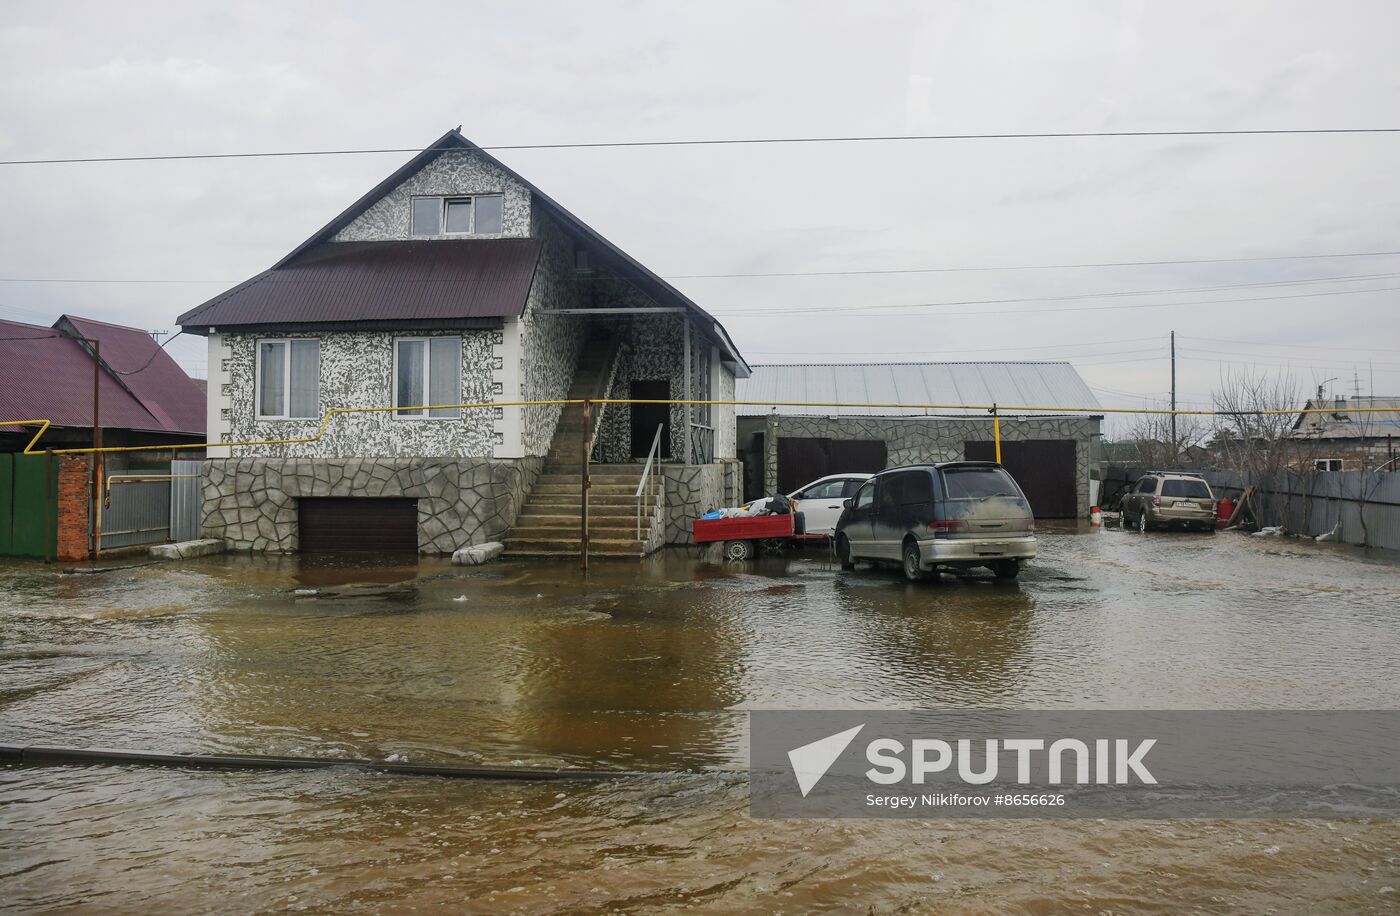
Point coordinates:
pixel 358 525
pixel 801 461
pixel 1044 469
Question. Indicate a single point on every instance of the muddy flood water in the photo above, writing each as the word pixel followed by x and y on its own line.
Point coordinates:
pixel 653 666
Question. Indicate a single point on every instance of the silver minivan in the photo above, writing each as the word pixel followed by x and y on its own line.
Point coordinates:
pixel 959 514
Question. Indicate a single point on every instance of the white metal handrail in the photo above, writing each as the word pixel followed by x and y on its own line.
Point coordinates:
pixel 652 455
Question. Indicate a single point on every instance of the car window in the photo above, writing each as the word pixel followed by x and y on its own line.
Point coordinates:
pixel 865 498
pixel 1186 489
pixel 1147 485
pixel 891 491
pixel 978 483
pixel 852 486
pixel 917 489
pixel 829 490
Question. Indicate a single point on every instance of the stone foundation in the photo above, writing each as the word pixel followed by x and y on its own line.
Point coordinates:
pixel 692 490
pixel 251 503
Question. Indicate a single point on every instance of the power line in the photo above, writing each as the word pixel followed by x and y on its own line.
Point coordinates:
pixel 819 273
pixel 861 309
pixel 738 141
pixel 1252 343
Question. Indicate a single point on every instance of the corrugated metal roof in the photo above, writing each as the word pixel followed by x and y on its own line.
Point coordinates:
pixel 610 254
pixel 349 282
pixel 1049 384
pixel 1345 422
pixel 45 375
pixel 156 380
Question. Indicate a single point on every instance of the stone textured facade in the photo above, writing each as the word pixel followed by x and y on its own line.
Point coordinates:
pixel 549 344
pixel 356 370
pixel 251 503
pixel 924 440
pixel 456 172
pixel 692 490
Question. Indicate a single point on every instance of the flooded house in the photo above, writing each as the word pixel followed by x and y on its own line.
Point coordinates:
pixel 371 391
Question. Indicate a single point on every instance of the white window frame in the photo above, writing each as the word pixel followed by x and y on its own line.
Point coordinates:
pixel 1327 465
pixel 286 378
pixel 397 413
pixel 442 200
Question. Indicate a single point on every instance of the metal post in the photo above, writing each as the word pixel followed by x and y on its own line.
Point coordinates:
pixel 96 444
pixel 685 336
pixel 583 487
pixel 51 521
pixel 996 431
pixel 1174 455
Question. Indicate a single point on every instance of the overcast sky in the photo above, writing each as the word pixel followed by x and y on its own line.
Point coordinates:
pixel 136 78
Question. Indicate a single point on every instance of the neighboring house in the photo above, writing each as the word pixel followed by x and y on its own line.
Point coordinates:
pixel 142 398
pixel 457 281
pixel 1051 456
pixel 46 373
pixel 1354 434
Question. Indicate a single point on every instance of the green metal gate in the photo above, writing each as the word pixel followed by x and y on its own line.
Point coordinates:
pixel 28 506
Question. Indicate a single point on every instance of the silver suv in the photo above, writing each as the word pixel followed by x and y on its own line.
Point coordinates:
pixel 1162 499
pixel 955 515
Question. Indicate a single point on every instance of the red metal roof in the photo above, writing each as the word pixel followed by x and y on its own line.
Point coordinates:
pixel 46 374
pixel 154 378
pixel 357 282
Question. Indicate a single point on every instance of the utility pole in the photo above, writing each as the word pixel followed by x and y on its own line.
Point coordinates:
pixel 1174 445
pixel 96 444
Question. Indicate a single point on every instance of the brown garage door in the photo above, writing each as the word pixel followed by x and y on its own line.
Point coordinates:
pixel 358 525
pixel 1044 469
pixel 801 461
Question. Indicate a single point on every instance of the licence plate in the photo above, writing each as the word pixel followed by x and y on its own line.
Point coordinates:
pixel 1187 505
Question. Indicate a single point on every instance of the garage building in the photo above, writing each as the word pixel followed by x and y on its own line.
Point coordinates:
pixel 1051 456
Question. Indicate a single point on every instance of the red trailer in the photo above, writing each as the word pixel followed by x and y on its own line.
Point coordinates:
pixel 743 537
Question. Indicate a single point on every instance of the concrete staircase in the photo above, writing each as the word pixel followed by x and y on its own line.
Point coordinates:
pixel 548 525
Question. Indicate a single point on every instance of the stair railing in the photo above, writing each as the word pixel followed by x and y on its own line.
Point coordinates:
pixel 653 456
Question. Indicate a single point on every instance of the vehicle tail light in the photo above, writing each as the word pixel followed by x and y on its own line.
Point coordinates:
pixel 946 524
pixel 1157 501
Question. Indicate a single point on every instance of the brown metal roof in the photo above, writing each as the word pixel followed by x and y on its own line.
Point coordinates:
pixel 352 283
pixel 47 375
pixel 610 255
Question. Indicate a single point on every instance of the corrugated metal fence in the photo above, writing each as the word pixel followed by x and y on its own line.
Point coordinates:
pixel 1364 506
pixel 137 512
pixel 186 499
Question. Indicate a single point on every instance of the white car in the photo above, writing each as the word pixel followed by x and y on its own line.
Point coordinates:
pixel 822 500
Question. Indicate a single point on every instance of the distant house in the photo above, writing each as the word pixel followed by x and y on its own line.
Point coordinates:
pixel 46 373
pixel 142 398
pixel 785 446
pixel 1352 434
pixel 457 281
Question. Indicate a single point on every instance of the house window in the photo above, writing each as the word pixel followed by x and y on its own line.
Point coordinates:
pixel 481 214
pixel 427 372
pixel 1327 464
pixel 289 374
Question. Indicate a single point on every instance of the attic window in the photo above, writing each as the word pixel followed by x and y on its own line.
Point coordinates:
pixel 482 214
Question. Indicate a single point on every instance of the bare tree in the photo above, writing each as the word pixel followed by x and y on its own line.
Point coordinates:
pixel 1156 444
pixel 1254 433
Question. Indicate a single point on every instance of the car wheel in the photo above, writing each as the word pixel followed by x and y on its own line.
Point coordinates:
pixel 843 553
pixel 738 550
pixel 913 563
pixel 1123 520
pixel 1142 523
pixel 1006 569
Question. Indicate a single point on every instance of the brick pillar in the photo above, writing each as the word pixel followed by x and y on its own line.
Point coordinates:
pixel 74 501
